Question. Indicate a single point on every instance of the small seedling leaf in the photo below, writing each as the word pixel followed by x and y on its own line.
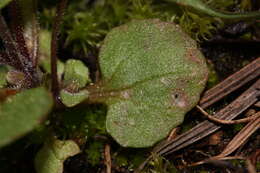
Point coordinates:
pixel 51 157
pixel 76 72
pixel 152 75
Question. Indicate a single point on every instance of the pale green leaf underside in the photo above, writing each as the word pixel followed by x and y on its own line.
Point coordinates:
pixel 154 74
pixel 21 113
pixel 72 99
pixel 51 157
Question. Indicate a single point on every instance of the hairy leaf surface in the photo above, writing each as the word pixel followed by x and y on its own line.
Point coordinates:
pixel 153 75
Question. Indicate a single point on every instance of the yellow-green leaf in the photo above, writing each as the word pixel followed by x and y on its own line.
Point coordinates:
pixel 51 157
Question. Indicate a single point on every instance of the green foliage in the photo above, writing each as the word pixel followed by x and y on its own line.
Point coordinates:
pixel 199 28
pixel 51 157
pixel 45 54
pixel 222 5
pixel 87 24
pixel 94 152
pixel 76 76
pixel 87 27
pixel 3 3
pixel 160 165
pixel 72 99
pixel 21 113
pixel 135 83
pixel 82 122
pixel 76 73
pixel 85 123
pixel 145 81
pixel 131 158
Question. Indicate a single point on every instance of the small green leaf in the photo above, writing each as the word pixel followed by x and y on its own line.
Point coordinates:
pixel 45 53
pixel 51 157
pixel 76 72
pixel 21 113
pixel 72 99
pixel 3 3
pixel 153 75
pixel 44 44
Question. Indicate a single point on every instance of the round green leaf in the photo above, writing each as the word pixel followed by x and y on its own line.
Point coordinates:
pixel 153 74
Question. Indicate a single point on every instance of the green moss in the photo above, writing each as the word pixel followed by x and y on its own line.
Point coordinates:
pixel 94 152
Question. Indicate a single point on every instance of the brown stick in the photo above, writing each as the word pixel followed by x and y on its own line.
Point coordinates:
pixel 107 155
pixel 238 79
pixel 54 47
pixel 241 137
pixel 220 121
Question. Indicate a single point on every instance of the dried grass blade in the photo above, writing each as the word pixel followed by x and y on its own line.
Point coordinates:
pixel 220 121
pixel 54 47
pixel 241 137
pixel 233 82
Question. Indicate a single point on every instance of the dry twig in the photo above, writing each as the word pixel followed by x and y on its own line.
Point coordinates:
pixel 107 155
pixel 220 121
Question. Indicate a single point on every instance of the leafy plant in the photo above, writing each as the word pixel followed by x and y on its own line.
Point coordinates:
pixel 134 81
pixel 152 74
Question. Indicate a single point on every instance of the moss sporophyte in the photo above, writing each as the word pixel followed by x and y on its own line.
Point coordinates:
pixel 152 75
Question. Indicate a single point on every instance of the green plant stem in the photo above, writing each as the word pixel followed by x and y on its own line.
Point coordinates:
pixel 201 7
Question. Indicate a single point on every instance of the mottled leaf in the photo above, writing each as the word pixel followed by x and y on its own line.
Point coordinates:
pixel 20 113
pixel 152 75
pixel 51 157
